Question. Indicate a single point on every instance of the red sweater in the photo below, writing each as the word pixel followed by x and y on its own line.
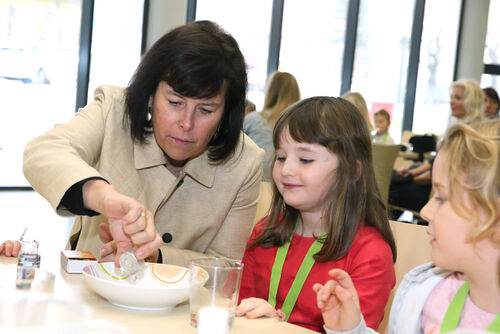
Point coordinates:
pixel 368 262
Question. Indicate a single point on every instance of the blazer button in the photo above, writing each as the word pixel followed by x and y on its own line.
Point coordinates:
pixel 167 237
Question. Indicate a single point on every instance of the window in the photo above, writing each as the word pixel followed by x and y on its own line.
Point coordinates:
pixel 39 42
pixel 436 67
pixel 381 57
pixel 116 43
pixel 249 22
pixel 312 51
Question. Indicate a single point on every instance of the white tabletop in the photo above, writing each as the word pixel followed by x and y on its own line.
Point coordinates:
pixel 72 286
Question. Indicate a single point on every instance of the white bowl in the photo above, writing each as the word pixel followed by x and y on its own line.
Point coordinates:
pixel 161 287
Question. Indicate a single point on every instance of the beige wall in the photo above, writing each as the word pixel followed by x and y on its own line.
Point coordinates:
pixel 164 16
pixel 470 59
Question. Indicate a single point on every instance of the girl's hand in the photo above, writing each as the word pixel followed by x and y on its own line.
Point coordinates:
pixel 10 248
pixel 338 302
pixel 256 308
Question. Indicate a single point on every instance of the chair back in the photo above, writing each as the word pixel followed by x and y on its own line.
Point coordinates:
pixel 414 249
pixel 264 202
pixel 383 162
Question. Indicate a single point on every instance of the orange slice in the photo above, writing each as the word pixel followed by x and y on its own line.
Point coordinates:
pixel 168 274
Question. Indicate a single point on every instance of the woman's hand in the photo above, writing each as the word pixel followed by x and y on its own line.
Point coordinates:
pixel 424 178
pixel 10 248
pixel 257 307
pixel 338 302
pixel 108 250
pixel 403 172
pixel 130 223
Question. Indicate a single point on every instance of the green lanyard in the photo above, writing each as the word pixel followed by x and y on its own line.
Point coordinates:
pixel 300 278
pixel 452 316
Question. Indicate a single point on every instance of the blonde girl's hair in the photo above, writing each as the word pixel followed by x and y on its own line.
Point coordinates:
pixel 282 91
pixel 473 99
pixel 360 103
pixel 354 198
pixel 474 155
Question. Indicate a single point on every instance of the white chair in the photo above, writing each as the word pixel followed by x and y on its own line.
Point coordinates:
pixel 383 161
pixel 414 249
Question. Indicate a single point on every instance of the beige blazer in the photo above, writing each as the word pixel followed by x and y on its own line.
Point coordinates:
pixel 210 212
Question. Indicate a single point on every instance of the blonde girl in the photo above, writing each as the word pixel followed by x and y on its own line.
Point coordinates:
pixel 461 287
pixel 326 213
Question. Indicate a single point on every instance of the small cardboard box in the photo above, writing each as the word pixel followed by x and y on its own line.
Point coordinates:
pixel 74 261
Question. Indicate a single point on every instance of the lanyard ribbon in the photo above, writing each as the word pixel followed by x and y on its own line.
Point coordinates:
pixel 452 316
pixel 300 278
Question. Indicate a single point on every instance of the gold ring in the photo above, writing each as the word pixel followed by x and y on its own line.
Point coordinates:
pixel 143 214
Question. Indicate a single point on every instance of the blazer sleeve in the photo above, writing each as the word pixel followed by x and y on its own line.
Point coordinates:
pixel 65 155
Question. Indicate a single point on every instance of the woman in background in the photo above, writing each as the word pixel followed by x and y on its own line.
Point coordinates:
pixel 282 90
pixel 360 103
pixel 491 102
pixel 466 104
pixel 466 101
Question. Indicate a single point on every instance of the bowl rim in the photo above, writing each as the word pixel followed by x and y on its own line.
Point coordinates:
pixel 174 286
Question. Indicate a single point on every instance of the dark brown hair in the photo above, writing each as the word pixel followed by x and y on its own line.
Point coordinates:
pixel 493 95
pixel 339 126
pixel 197 60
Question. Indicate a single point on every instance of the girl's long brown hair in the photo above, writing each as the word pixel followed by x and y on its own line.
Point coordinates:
pixel 337 125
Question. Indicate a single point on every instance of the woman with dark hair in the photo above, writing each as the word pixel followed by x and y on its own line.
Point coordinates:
pixel 162 163
pixel 491 103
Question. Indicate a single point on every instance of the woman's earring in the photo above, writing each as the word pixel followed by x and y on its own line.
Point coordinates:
pixel 150 105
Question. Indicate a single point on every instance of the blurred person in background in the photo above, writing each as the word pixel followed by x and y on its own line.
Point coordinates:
pixel 466 101
pixel 282 91
pixel 411 187
pixel 249 107
pixel 491 103
pixel 382 121
pixel 360 103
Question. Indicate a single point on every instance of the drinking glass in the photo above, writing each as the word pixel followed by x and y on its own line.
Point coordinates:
pixel 214 283
pixel 39 281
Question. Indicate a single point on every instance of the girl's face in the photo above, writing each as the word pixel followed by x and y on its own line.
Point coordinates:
pixel 457 102
pixel 381 123
pixel 447 229
pixel 304 174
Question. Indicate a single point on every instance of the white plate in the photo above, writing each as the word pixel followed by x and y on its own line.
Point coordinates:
pixel 161 287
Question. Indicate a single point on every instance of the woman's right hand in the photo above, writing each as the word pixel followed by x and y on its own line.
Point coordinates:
pixel 10 248
pixel 338 301
pixel 130 223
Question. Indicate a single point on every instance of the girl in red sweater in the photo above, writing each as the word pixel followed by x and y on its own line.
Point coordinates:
pixel 326 213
